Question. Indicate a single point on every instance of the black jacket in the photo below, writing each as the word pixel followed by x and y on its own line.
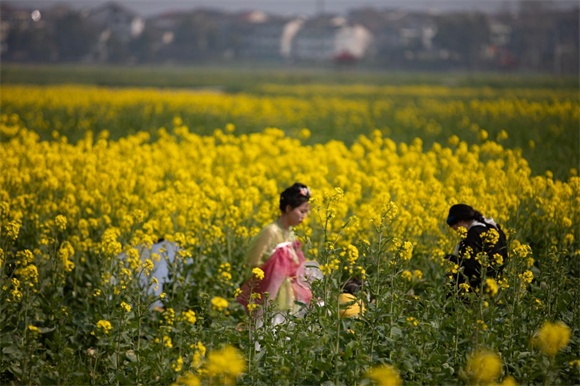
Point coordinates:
pixel 472 245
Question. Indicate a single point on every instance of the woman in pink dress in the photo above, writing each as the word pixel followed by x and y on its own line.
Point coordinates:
pixel 285 284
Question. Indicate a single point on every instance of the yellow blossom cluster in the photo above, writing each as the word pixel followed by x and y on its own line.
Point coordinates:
pixel 104 326
pixel 483 367
pixel 219 304
pixel 224 273
pixel 258 273
pixel 552 337
pixel 117 194
pixel 189 316
pixel 385 375
pixel 222 366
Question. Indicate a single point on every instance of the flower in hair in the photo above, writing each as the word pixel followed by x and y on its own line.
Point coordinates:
pixel 305 192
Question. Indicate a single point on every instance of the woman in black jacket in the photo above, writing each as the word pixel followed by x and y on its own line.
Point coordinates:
pixel 483 249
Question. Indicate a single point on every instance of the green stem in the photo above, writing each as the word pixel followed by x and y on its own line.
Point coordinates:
pixel 376 287
pixel 337 346
pixel 25 362
pixel 391 308
pixel 94 375
pixel 139 317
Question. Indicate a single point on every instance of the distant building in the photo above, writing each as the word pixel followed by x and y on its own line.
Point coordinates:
pixel 316 39
pixel 118 20
pixel 261 36
pixel 327 38
pixel 352 41
pixel 538 37
pixel 118 26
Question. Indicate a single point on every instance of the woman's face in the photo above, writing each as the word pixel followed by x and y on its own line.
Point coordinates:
pixel 297 215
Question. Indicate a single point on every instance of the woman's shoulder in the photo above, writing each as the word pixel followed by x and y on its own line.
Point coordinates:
pixel 479 228
pixel 271 230
pixel 475 231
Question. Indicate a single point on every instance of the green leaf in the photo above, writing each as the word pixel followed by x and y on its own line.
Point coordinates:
pixel 10 350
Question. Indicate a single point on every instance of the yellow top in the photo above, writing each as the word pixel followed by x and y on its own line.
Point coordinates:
pixel 354 309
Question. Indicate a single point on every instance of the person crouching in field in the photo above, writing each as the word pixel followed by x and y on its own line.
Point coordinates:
pixel 280 272
pixel 483 251
pixel 350 305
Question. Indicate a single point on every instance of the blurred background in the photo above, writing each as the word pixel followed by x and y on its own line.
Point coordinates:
pixel 523 36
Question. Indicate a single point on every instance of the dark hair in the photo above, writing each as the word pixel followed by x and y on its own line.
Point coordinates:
pixel 294 196
pixel 463 212
pixel 352 286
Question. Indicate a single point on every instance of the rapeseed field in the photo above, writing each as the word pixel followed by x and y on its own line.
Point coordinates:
pixel 90 174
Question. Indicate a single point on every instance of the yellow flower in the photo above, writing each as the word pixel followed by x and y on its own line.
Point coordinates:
pixel 33 328
pixel 60 222
pixel 169 316
pixel 465 287
pixel 412 321
pixel 502 135
pixel 503 283
pixel 187 379
pixel 385 375
pixel 527 276
pixel 491 286
pixel 483 135
pixel 189 316
pixel 552 337
pixel 110 245
pixel 65 252
pixel 225 275
pixel 227 362
pixel 483 367
pixel 509 381
pixel 28 274
pixel 125 306
pixel 198 354
pixel 407 275
pixel 12 229
pixel 482 324
pixel 178 365
pixel 24 257
pixel 230 128
pixel 352 254
pixel 104 325
pixel 453 140
pixel 491 237
pixel 219 303
pixel 258 273
pixel 407 250
pixel 148 266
